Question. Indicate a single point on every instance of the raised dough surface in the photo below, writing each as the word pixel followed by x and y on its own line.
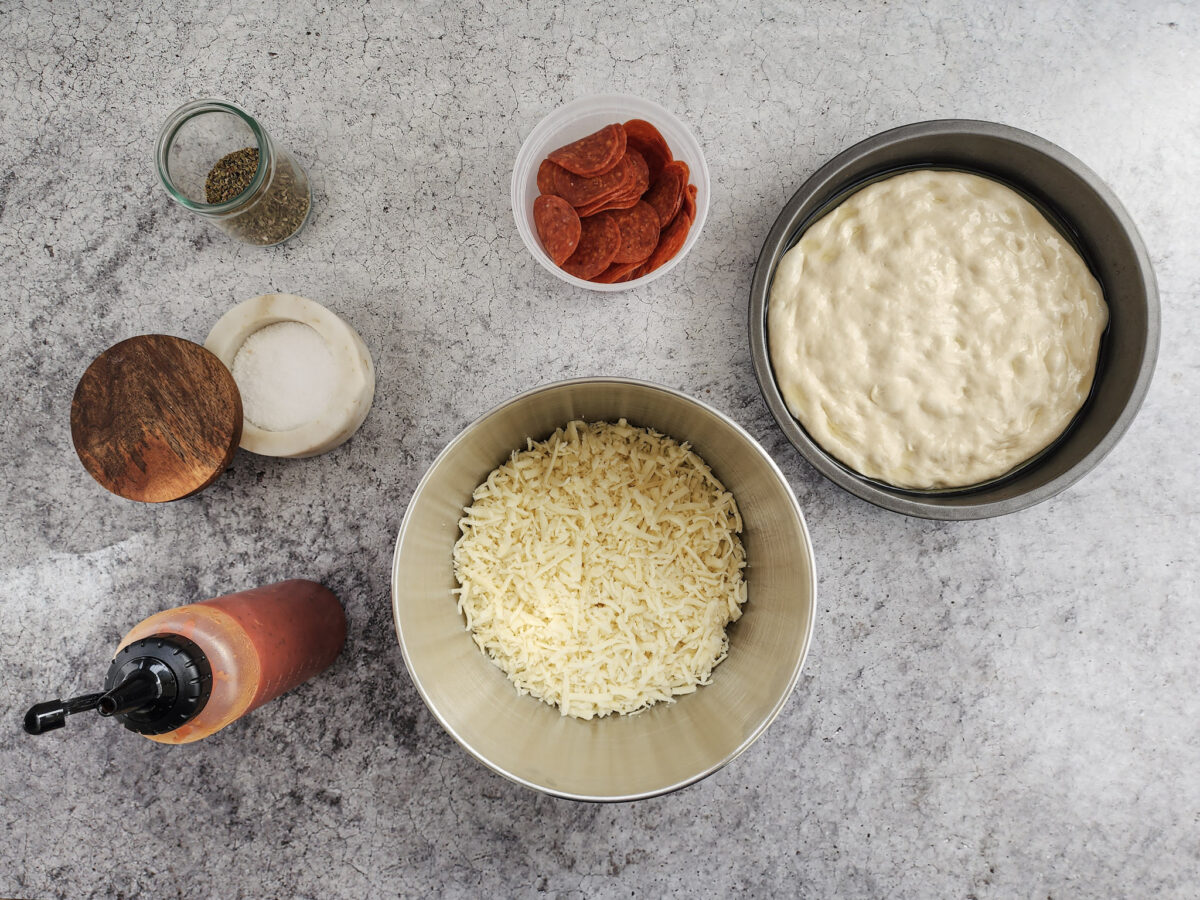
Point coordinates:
pixel 934 330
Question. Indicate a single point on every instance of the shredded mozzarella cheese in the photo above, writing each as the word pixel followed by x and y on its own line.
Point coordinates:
pixel 599 568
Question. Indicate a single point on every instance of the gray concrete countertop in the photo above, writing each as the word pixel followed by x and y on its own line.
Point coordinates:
pixel 990 709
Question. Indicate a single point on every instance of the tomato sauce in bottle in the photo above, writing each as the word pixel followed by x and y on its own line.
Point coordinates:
pixel 185 673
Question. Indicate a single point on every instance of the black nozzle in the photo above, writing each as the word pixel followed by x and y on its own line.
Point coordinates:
pixel 52 714
pixel 153 686
pixel 139 690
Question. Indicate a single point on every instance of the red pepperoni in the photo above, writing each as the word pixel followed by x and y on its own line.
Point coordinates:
pixel 689 202
pixel 545 177
pixel 558 226
pixel 599 242
pixel 627 194
pixel 617 272
pixel 672 239
pixel 615 205
pixel 666 194
pixel 641 172
pixel 592 155
pixel 580 191
pixel 646 139
pixel 617 201
pixel 639 232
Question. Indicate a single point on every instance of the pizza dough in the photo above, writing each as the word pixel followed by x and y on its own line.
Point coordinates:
pixel 934 330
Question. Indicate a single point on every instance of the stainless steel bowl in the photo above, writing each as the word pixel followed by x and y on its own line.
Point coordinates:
pixel 617 757
pixel 1090 215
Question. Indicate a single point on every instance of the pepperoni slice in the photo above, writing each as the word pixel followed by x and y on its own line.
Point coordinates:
pixel 641 172
pixel 615 205
pixel 626 195
pixel 648 141
pixel 618 201
pixel 689 202
pixel 545 177
pixel 666 194
pixel 592 155
pixel 557 225
pixel 599 242
pixel 617 272
pixel 639 232
pixel 580 191
pixel 672 239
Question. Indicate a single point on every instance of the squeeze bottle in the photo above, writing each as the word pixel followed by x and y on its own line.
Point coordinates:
pixel 187 672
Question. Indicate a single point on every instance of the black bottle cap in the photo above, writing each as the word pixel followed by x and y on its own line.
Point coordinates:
pixel 156 684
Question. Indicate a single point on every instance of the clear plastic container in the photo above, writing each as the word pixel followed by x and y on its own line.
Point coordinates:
pixel 580 118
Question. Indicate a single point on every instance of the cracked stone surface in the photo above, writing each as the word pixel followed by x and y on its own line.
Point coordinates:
pixel 991 709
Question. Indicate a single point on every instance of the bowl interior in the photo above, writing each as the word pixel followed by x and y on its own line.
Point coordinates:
pixel 617 757
pixel 577 119
pixel 1100 228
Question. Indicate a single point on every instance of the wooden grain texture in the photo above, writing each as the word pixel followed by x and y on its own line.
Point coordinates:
pixel 156 418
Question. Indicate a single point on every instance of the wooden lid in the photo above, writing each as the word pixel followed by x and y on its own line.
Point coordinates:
pixel 156 418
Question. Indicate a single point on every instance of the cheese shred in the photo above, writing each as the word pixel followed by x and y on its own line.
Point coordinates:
pixel 598 569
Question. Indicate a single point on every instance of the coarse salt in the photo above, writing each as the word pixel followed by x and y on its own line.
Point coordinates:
pixel 286 375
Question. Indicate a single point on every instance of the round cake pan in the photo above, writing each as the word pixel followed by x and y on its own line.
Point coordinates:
pixel 1093 219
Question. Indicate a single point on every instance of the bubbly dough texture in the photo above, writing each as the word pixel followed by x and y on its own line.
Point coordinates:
pixel 934 330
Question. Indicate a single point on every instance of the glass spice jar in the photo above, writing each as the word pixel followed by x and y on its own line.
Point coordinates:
pixel 215 159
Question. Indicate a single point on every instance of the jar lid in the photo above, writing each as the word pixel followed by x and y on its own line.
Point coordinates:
pixel 156 418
